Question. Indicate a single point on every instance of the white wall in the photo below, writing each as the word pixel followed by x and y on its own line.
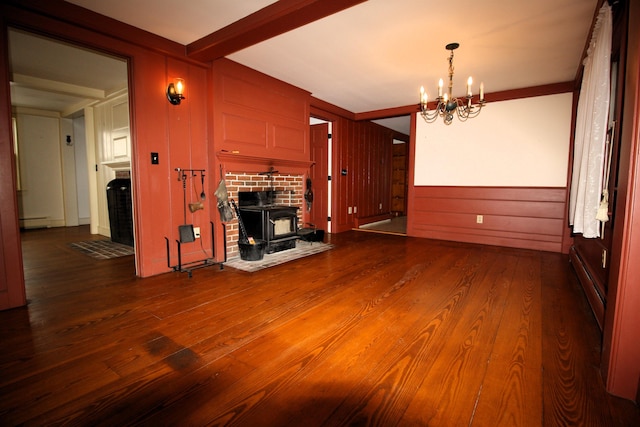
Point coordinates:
pixel 41 199
pixel 54 173
pixel 56 176
pixel 82 170
pixel 69 178
pixel 517 143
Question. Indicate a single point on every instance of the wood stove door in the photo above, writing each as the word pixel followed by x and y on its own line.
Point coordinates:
pixel 281 224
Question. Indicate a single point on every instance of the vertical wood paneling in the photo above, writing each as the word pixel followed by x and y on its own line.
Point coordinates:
pixel 399 179
pixel 12 293
pixel 188 120
pixel 363 150
pixel 318 175
pixel 621 347
pixel 178 134
pixel 341 188
pixel 150 182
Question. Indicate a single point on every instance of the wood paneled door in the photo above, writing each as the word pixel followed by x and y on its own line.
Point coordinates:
pixel 399 180
pixel 319 175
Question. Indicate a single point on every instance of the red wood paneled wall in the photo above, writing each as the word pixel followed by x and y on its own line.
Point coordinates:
pixel 12 292
pixel 621 346
pixel 374 148
pixel 521 217
pixel 183 145
pixel 342 176
pixel 361 175
pixel 258 115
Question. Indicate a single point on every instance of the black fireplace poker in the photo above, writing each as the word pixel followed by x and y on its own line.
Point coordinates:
pixel 244 237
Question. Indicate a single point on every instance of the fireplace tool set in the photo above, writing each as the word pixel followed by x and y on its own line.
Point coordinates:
pixel 264 225
pixel 186 231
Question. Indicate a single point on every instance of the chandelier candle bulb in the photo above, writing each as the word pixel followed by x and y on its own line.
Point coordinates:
pixel 469 83
pixel 423 96
pixel 481 91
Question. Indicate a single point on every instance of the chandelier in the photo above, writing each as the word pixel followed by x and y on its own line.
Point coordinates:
pixel 447 105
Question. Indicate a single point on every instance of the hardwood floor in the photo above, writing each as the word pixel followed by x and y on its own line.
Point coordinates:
pixel 395 225
pixel 382 330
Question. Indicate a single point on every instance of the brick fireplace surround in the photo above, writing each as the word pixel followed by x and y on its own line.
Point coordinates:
pixel 289 192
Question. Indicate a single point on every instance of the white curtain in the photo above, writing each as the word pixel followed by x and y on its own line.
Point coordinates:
pixel 591 130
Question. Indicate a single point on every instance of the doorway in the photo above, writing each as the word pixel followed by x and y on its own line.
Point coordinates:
pixel 71 127
pixel 397 224
pixel 318 183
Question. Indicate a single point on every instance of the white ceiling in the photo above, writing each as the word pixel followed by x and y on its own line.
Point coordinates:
pixel 377 54
pixel 54 76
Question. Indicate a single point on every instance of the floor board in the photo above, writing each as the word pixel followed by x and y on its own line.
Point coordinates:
pixel 381 330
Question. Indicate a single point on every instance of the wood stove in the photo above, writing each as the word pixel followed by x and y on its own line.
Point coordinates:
pixel 276 225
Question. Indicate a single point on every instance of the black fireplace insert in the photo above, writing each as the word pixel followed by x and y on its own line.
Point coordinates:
pixel 276 225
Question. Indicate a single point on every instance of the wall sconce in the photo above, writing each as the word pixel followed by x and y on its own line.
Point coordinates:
pixel 175 92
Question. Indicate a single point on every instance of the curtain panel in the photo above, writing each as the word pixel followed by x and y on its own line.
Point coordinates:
pixel 591 130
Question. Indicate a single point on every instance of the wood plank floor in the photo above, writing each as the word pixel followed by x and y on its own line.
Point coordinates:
pixel 382 330
pixel 395 225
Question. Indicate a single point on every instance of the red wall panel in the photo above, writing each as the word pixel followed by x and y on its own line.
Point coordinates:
pixel 621 346
pixel 373 179
pixel 341 184
pixel 286 138
pixel 361 175
pixel 530 218
pixel 258 115
pixel 247 132
pixel 188 149
pixel 12 292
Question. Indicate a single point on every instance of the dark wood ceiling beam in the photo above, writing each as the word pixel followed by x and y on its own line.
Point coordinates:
pixel 70 20
pixel 275 19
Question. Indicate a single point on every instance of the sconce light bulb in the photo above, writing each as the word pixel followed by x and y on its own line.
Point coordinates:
pixel 175 92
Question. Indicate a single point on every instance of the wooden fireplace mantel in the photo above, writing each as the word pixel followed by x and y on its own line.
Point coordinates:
pixel 232 162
